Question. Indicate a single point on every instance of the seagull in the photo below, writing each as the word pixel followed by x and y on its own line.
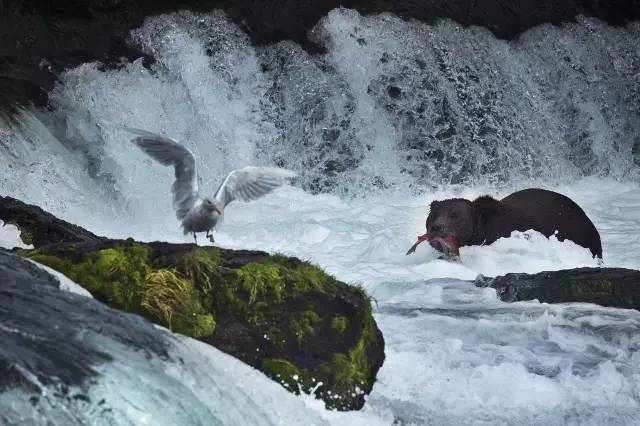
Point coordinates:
pixel 197 213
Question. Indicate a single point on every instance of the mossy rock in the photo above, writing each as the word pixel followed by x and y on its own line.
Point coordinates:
pixel 284 316
pixel 613 287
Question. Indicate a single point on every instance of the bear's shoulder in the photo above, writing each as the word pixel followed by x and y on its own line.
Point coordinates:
pixel 495 219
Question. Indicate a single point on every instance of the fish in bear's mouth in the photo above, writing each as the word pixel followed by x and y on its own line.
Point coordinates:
pixel 444 243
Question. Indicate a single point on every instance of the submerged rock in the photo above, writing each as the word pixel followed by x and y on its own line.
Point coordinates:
pixel 282 315
pixel 612 287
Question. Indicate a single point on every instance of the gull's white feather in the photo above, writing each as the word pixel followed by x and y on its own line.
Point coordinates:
pixel 170 153
pixel 250 183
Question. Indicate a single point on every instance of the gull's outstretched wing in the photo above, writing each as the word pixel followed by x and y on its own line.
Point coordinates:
pixel 250 183
pixel 170 153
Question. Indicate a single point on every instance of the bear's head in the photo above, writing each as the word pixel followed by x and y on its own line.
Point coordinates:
pixel 450 225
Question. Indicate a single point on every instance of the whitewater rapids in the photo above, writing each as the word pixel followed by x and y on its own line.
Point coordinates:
pixel 455 354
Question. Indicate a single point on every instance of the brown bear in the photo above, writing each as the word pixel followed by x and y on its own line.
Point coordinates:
pixel 458 222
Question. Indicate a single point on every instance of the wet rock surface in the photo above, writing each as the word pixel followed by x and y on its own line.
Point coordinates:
pixel 39 227
pixel 611 287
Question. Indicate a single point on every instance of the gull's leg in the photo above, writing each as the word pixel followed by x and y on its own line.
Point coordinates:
pixel 210 235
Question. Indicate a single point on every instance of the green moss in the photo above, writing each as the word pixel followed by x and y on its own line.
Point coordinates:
pixel 308 277
pixel 287 374
pixel 262 282
pixel 280 368
pixel 273 281
pixel 251 291
pixel 339 324
pixel 359 290
pixel 590 290
pixel 303 324
pixel 342 381
pixel 304 276
pixel 57 263
pixel 257 290
pixel 172 300
pixel 122 277
pixel 200 265
pixel 115 275
pixel 26 235
pixel 349 375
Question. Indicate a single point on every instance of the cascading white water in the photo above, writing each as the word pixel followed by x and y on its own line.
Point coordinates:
pixel 393 115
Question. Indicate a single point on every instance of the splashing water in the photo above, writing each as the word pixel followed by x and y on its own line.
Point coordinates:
pixel 393 115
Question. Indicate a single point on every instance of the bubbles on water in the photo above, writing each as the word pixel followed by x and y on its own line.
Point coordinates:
pixel 313 109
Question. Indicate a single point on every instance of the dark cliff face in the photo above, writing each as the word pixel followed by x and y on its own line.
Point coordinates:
pixel 279 19
pixel 273 20
pixel 42 39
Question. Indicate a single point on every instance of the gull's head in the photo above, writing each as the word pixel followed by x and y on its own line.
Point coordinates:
pixel 211 206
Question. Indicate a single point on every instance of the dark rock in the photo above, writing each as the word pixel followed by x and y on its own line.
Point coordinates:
pixel 39 227
pixel 394 92
pixel 613 287
pixel 281 315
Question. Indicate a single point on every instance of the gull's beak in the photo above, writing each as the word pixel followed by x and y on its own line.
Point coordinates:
pixel 215 209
